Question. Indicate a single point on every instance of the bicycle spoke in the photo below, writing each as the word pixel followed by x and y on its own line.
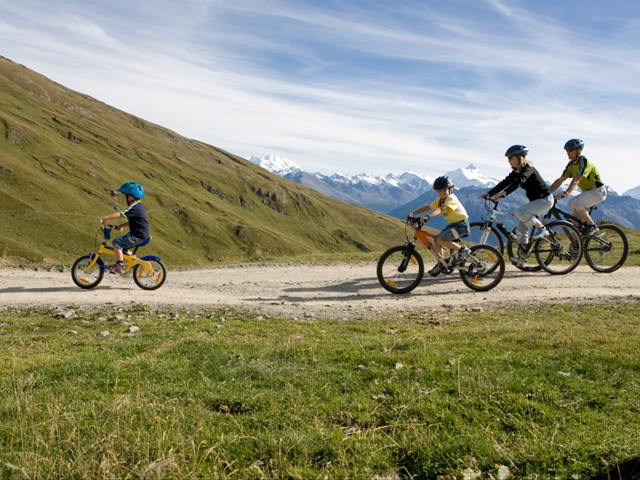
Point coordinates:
pixel 150 275
pixel 484 268
pixel 560 252
pixel 607 250
pixel 397 273
pixel 87 273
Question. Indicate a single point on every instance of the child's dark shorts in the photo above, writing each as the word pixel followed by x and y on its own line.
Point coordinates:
pixel 127 242
pixel 455 231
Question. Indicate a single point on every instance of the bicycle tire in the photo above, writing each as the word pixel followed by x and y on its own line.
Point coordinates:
pixel 484 268
pixel 82 276
pixel 561 251
pixel 514 254
pixel 607 250
pixel 150 280
pixel 390 264
pixel 480 235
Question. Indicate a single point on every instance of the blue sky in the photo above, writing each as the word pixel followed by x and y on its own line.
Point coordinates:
pixel 352 86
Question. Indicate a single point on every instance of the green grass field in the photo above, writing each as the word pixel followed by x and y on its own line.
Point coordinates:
pixel 542 392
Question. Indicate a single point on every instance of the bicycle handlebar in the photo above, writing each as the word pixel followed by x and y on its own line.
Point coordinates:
pixel 414 223
pixel 106 230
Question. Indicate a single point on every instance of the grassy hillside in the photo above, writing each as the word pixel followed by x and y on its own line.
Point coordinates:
pixel 62 153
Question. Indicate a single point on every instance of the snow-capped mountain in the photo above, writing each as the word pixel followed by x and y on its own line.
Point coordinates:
pixel 397 195
pixel 471 177
pixel 275 164
pixel 382 194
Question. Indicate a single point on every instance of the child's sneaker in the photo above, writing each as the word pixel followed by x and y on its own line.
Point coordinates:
pixel 435 271
pixel 463 254
pixel 519 262
pixel 539 233
pixel 118 268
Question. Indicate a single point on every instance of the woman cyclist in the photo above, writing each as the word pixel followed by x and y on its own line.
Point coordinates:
pixel 526 176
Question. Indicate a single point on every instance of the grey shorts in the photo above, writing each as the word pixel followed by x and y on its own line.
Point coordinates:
pixel 588 198
pixel 455 231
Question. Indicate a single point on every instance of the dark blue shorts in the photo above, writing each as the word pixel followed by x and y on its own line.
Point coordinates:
pixel 127 242
pixel 455 231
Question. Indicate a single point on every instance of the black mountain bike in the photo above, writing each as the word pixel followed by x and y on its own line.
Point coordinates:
pixel 558 253
pixel 605 250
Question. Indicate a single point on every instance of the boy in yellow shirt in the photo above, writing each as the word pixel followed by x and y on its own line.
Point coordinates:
pixel 450 207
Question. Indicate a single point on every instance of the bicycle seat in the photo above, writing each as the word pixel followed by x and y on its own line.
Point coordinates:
pixel 146 242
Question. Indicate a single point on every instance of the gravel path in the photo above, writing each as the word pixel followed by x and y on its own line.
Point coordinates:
pixel 304 291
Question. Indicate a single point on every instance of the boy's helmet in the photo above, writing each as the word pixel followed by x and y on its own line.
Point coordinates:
pixel 574 143
pixel 442 182
pixel 515 150
pixel 132 188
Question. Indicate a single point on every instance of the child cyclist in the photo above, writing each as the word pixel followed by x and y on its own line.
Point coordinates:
pixel 136 216
pixel 453 211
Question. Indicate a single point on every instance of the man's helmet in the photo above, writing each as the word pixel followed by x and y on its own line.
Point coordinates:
pixel 132 188
pixel 515 150
pixel 574 143
pixel 442 182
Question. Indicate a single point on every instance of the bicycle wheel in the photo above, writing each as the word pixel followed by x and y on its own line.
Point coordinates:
pixel 86 277
pixel 561 251
pixel 512 252
pixel 607 250
pixel 398 271
pixel 483 269
pixel 480 235
pixel 150 278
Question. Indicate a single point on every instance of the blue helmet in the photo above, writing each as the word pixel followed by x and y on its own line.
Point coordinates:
pixel 515 150
pixel 132 188
pixel 574 143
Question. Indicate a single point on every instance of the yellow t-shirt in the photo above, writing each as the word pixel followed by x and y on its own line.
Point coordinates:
pixel 451 208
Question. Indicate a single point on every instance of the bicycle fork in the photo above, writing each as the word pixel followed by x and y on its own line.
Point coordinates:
pixel 408 252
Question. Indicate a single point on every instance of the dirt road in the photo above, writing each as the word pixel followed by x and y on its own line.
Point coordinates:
pixel 305 291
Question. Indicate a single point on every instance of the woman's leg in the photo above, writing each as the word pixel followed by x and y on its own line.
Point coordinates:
pixel 527 214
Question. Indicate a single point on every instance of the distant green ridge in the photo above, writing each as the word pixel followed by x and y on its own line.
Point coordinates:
pixel 62 152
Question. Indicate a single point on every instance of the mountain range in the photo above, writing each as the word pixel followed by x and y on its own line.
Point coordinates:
pixel 383 194
pixel 396 195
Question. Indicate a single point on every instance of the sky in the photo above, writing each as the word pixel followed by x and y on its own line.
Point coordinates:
pixel 357 86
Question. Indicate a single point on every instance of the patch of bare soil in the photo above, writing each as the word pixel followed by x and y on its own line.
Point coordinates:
pixel 314 291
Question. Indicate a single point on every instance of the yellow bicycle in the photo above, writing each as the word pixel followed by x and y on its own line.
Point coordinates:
pixel 148 272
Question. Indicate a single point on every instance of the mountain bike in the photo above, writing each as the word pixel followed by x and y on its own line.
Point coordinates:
pixel 400 269
pixel 148 272
pixel 558 253
pixel 606 250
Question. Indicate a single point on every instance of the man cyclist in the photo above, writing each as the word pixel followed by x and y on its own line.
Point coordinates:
pixel 585 176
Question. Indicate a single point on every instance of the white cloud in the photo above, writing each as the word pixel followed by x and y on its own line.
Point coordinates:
pixel 364 87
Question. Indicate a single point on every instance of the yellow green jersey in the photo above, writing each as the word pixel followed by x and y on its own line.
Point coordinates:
pixel 590 175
